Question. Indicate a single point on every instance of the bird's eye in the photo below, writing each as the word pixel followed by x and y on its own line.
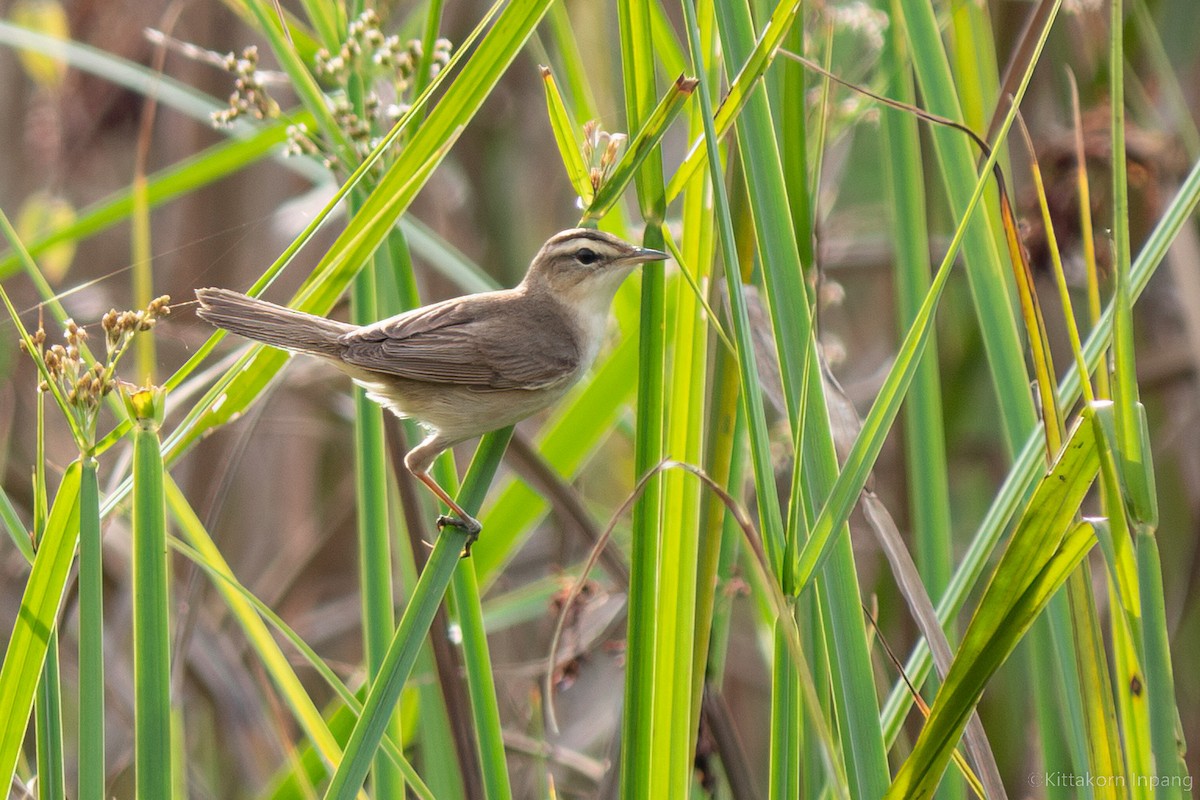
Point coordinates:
pixel 586 257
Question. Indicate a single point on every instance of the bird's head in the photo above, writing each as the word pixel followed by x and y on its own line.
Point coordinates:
pixel 585 266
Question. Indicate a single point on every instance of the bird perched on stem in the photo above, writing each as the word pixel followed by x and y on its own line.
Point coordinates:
pixel 466 366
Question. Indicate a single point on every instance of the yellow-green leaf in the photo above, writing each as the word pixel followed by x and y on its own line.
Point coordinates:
pixel 41 214
pixel 566 136
pixel 1046 546
pixel 39 609
pixel 49 18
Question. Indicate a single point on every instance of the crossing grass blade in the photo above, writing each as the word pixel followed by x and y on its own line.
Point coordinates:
pixel 30 636
pixel 77 433
pixel 740 88
pixel 274 661
pixel 14 527
pixel 179 180
pixel 414 625
pixel 250 613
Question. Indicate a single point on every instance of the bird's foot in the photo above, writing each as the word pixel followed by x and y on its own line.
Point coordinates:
pixel 470 526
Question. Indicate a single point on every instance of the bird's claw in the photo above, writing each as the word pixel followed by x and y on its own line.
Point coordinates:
pixel 470 526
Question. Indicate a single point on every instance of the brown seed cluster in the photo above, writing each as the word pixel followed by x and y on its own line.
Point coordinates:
pixel 387 67
pixel 600 152
pixel 83 385
pixel 367 50
pixel 249 91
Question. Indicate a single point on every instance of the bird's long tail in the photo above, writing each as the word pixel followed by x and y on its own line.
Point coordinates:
pixel 271 324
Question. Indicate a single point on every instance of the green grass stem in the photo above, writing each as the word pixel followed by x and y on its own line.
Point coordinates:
pixel 92 772
pixel 643 759
pixel 151 604
pixel 481 683
pixel 48 724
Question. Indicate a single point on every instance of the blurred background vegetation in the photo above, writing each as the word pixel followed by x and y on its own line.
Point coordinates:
pixel 277 489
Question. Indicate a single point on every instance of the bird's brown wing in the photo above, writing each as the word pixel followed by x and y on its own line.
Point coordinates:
pixel 487 343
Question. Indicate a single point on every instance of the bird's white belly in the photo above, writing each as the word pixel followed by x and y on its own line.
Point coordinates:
pixel 459 412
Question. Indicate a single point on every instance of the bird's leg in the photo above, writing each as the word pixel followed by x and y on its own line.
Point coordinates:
pixel 418 461
pixel 462 520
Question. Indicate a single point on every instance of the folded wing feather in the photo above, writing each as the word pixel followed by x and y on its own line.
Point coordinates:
pixel 471 344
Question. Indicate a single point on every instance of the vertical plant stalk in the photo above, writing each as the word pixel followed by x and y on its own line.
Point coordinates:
pixel 91 637
pixel 482 687
pixel 714 418
pixel 374 536
pixel 443 738
pixel 677 658
pixel 925 436
pixel 792 323
pixel 48 703
pixel 636 766
pixel 990 290
pixel 48 715
pixel 433 20
pixel 718 539
pixel 637 744
pixel 1166 736
pixel 151 628
pixel 414 625
pixel 1134 459
pixel 374 558
pixel 787 714
pixel 751 389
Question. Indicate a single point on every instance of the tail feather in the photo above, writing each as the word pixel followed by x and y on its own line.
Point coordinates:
pixel 271 324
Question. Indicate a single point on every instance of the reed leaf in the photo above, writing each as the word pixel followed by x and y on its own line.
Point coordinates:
pixel 1044 549
pixel 566 135
pixel 1026 469
pixel 30 637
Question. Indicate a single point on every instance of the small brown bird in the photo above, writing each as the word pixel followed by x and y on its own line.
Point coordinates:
pixel 466 366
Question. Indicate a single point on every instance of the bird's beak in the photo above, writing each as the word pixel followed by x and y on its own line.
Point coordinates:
pixel 641 255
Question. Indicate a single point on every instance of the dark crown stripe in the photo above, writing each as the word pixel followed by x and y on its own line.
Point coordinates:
pixel 569 241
